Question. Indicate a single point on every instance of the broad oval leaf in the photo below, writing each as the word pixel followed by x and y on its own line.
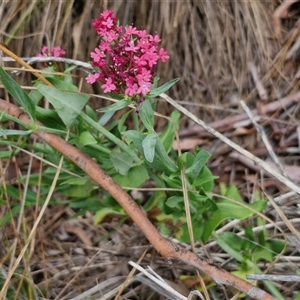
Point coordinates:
pixel 147 115
pixel 67 104
pixel 148 144
pixel 121 161
pixel 86 138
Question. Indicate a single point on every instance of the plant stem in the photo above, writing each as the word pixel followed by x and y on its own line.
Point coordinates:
pixel 110 136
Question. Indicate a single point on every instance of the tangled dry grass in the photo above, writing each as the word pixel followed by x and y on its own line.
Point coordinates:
pixel 223 51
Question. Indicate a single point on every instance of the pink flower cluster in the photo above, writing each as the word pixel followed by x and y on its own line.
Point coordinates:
pixel 56 51
pixel 125 59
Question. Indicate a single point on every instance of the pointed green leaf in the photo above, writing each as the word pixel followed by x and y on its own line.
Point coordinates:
pixel 162 89
pixel 148 144
pixel 230 210
pixel 147 115
pixel 18 93
pixel 121 161
pixel 200 160
pixel 7 132
pixel 86 138
pixel 167 137
pixel 49 118
pixel 116 106
pixel 161 161
pixel 68 105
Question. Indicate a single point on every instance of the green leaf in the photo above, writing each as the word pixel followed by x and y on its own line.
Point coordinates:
pixel 162 89
pixel 19 95
pixel 200 160
pixel 36 96
pixel 230 242
pixel 121 126
pixel 7 132
pixel 174 182
pixel 147 115
pixel 49 118
pixel 136 137
pixel 205 180
pixel 161 161
pixel 105 118
pixel 148 144
pixel 91 113
pixel 63 85
pixel 154 84
pixel 230 210
pixel 8 154
pixel 184 235
pixel 75 181
pixel 106 211
pixel 167 137
pixel 67 104
pixel 121 161
pixel 15 211
pixel 86 138
pixel 185 160
pixel 162 157
pixel 116 106
pixel 174 201
pixel 78 188
pixel 135 177
pixel 233 193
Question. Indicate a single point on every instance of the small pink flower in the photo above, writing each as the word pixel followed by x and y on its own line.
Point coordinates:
pixel 108 23
pixel 154 39
pixel 144 88
pixel 107 14
pixel 58 52
pixel 163 55
pixel 142 34
pixel 44 50
pixel 111 36
pixel 130 30
pixel 97 55
pixel 108 86
pixel 131 89
pixel 140 60
pixel 92 78
pixel 131 47
pixel 145 75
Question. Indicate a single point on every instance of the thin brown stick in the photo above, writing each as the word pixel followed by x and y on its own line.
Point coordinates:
pixel 166 248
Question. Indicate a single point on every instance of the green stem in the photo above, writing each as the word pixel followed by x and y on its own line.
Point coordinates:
pixel 110 136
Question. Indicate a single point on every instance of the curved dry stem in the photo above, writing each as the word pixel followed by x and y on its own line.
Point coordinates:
pixel 166 248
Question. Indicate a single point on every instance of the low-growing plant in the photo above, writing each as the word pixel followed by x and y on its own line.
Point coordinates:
pixel 124 63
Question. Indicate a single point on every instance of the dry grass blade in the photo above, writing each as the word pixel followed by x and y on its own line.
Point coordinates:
pixel 158 280
pixel 130 275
